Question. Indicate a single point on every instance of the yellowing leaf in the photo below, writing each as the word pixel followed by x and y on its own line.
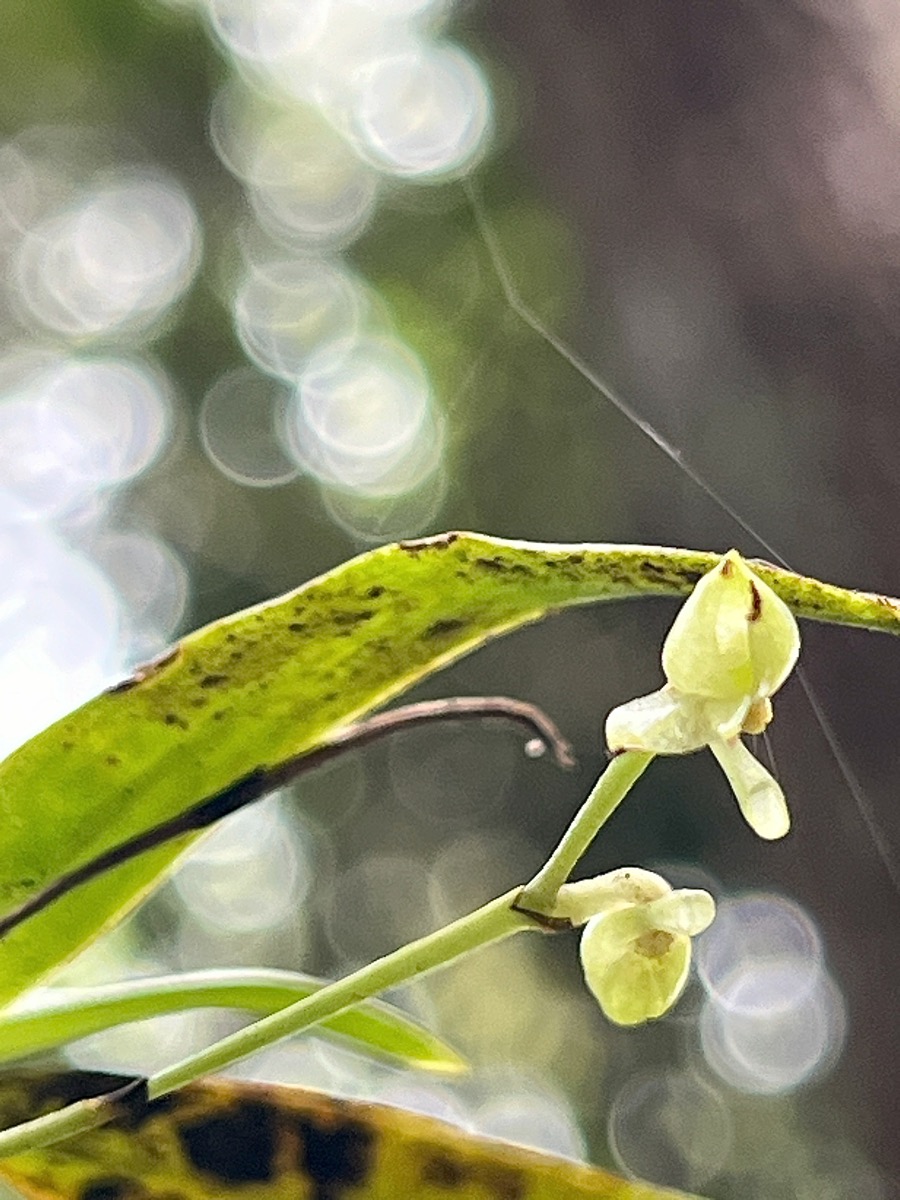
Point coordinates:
pixel 223 1139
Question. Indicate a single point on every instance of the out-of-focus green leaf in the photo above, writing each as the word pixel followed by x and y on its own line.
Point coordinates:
pixel 66 1014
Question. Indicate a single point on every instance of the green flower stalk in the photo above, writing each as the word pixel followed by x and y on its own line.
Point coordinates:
pixel 730 648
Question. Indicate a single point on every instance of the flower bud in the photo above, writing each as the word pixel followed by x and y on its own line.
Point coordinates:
pixel 732 638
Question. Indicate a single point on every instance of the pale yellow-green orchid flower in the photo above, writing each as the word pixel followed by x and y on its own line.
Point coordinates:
pixel 636 945
pixel 730 648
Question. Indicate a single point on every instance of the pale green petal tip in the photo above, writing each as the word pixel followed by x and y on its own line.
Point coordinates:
pixel 685 911
pixel 759 795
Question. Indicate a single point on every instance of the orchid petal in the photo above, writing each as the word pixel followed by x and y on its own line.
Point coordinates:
pixel 687 910
pixel 759 795
pixel 732 636
pixel 707 650
pixel 635 973
pixel 665 722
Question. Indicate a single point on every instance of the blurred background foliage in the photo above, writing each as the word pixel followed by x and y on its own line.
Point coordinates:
pixel 198 201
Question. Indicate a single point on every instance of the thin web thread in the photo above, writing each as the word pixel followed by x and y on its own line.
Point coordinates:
pixel 514 299
pixel 769 746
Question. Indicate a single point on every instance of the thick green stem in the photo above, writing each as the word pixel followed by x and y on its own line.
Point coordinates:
pixel 609 791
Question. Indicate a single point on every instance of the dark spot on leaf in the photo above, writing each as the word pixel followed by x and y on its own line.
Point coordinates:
pixel 236 655
pixel 352 618
pixel 113 760
pixel 447 625
pixel 576 559
pixel 335 1158
pixel 726 568
pixel 755 603
pixel 329 696
pixel 236 1147
pixel 494 1179
pixel 106 1189
pixel 441 1171
pixel 67 745
pixel 655 571
pixel 491 564
pixel 209 681
pixel 199 702
pixel 173 719
pixel 374 592
pixel 218 714
pixel 297 627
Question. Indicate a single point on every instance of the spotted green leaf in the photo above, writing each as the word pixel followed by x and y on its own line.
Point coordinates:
pixel 225 1139
pixel 275 681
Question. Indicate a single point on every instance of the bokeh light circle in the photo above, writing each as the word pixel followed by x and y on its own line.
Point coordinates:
pixel 247 873
pixel 114 261
pixel 152 584
pixel 422 113
pixel 266 30
pixel 358 414
pixel 670 1127
pixel 757 929
pixel 71 426
pixel 241 421
pixel 59 629
pixel 771 1035
pixel 773 1017
pixel 286 310
pixel 305 182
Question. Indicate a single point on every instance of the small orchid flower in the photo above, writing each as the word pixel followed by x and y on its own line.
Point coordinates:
pixel 730 648
pixel 636 945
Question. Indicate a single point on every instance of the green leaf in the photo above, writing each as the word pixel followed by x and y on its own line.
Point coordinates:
pixel 275 681
pixel 227 1139
pixel 66 1014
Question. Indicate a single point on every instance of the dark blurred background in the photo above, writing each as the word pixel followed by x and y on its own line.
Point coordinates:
pixel 250 327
